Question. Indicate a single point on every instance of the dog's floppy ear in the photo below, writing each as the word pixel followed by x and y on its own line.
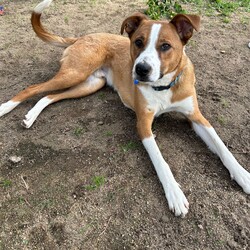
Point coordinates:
pixel 131 23
pixel 185 24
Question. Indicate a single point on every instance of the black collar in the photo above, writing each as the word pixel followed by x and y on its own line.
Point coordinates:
pixel 160 88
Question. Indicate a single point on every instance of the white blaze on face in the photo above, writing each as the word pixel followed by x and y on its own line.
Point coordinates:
pixel 150 54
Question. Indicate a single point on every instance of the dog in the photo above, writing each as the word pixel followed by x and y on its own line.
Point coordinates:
pixel 152 75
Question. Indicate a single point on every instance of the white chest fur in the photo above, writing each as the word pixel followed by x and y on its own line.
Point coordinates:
pixel 160 101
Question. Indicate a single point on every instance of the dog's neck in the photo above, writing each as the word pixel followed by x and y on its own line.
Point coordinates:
pixel 171 84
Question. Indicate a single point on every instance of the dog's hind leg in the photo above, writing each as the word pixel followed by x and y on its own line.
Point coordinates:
pixel 65 78
pixel 91 85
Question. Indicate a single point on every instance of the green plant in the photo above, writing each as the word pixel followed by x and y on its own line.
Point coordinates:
pixel 46 204
pixel 224 103
pixel 163 8
pixel 168 8
pixel 66 20
pixel 226 20
pixel 5 183
pixel 109 133
pixel 221 119
pixel 96 182
pixel 130 146
pixel 102 96
pixel 79 131
pixel 21 200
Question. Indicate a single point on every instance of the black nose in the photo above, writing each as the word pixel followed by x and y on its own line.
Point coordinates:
pixel 143 69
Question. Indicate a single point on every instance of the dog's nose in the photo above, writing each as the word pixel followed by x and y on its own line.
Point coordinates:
pixel 143 69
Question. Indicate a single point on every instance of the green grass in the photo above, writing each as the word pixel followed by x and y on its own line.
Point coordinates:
pixel 78 131
pixel 222 120
pixel 101 96
pixel 109 133
pixel 168 8
pixel 131 145
pixel 5 183
pixel 66 20
pixel 21 200
pixel 46 204
pixel 96 182
pixel 224 103
pixel 163 8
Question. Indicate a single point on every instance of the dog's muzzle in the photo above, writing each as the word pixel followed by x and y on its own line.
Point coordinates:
pixel 143 71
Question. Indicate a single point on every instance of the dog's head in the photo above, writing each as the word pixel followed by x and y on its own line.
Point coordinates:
pixel 157 46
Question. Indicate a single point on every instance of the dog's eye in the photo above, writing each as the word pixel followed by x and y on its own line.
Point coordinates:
pixel 165 47
pixel 139 43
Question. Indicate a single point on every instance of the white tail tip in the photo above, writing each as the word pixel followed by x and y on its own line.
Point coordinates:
pixel 41 6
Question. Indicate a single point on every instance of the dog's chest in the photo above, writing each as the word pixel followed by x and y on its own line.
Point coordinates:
pixel 161 101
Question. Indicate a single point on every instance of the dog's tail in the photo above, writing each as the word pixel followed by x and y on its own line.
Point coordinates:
pixel 42 33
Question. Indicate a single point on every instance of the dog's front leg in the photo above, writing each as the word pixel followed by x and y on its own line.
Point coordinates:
pixel 176 199
pixel 207 133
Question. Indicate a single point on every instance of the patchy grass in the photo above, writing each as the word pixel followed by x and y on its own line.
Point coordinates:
pixel 5 183
pixel 96 182
pixel 66 20
pixel 168 8
pixel 79 131
pixel 224 103
pixel 101 96
pixel 131 145
pixel 222 120
pixel 109 133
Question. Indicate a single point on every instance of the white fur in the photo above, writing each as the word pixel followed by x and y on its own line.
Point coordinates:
pixel 213 141
pixel 176 199
pixel 165 80
pixel 35 111
pixel 41 6
pixel 160 101
pixel 7 107
pixel 150 54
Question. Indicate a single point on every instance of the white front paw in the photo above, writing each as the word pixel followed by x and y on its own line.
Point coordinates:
pixel 242 177
pixel 177 201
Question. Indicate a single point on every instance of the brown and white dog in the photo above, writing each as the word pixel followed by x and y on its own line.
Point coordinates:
pixel 152 75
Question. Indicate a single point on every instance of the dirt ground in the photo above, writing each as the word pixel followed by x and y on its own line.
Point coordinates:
pixel 83 179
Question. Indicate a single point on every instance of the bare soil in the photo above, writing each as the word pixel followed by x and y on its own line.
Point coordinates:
pixel 48 199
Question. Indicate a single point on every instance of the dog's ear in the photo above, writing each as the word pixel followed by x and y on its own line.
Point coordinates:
pixel 185 24
pixel 131 23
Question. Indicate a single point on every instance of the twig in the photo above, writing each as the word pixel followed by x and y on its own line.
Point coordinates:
pixel 80 209
pixel 25 183
pixel 105 227
pixel 27 202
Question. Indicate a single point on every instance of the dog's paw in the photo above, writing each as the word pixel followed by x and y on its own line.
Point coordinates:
pixel 242 177
pixel 29 119
pixel 35 111
pixel 177 201
pixel 7 107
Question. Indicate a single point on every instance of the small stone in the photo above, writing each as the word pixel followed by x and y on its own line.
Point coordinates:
pixel 249 45
pixel 100 123
pixel 15 159
pixel 200 226
pixel 164 218
pixel 223 52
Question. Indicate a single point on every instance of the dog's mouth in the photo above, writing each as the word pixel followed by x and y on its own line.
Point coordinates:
pixel 140 79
